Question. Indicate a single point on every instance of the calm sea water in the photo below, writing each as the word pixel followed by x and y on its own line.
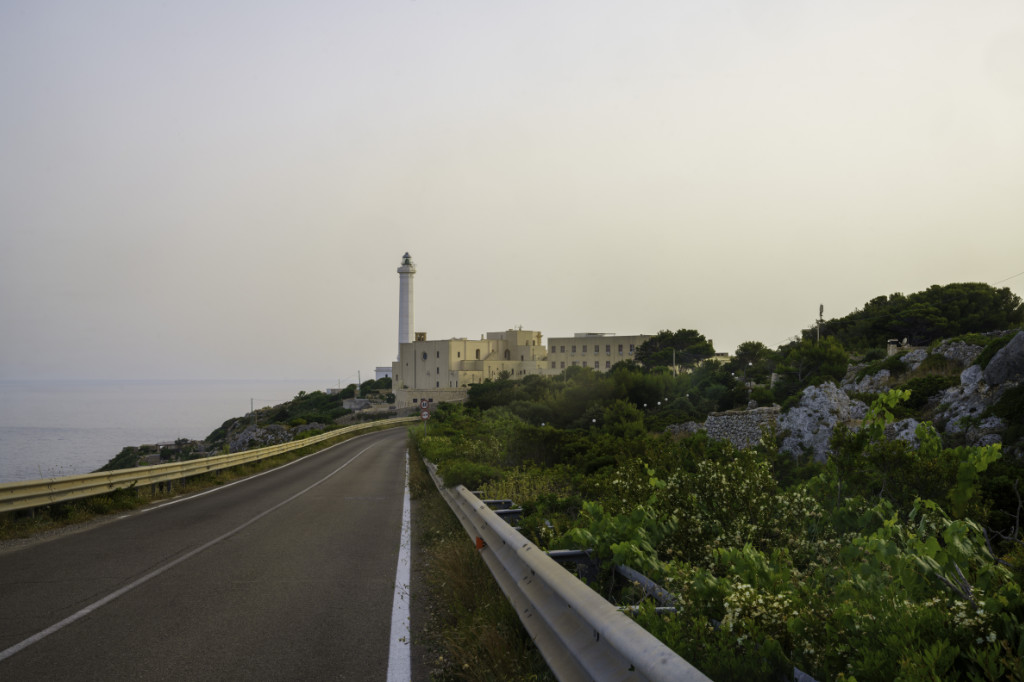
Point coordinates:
pixel 53 428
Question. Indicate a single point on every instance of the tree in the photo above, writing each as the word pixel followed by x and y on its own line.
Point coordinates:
pixel 622 419
pixel 689 345
pixel 753 361
pixel 937 312
pixel 807 363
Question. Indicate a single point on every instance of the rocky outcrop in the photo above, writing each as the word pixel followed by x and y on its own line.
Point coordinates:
pixel 872 383
pixel 260 436
pixel 964 402
pixel 959 351
pixel 915 357
pixel 809 425
pixel 986 432
pixel 1008 363
pixel 904 429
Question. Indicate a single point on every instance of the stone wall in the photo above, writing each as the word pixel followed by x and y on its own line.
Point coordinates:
pixel 742 428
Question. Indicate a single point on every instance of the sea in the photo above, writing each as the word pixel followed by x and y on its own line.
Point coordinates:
pixel 65 428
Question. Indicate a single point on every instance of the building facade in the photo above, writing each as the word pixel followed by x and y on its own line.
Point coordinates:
pixel 597 351
pixel 442 371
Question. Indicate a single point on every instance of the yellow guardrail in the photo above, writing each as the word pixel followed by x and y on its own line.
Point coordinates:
pixel 41 492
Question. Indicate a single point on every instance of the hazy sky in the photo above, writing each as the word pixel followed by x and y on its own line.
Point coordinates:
pixel 225 189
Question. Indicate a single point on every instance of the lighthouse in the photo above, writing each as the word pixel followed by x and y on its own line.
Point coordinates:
pixel 405 313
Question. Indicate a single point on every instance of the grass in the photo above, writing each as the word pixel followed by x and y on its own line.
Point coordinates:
pixel 473 632
pixel 28 523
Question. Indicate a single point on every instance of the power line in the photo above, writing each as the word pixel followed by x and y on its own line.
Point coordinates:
pixel 1011 277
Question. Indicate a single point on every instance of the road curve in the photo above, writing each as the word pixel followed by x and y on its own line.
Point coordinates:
pixel 283 576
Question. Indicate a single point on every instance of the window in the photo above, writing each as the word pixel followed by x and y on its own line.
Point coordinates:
pixel 561 349
pixel 584 349
pixel 437 384
pixel 424 355
pixel 620 349
pixel 574 363
pixel 458 354
pixel 562 365
pixel 607 364
pixel 508 354
pixel 477 353
pixel 608 348
pixel 438 353
pixel 631 348
pixel 552 364
pixel 574 349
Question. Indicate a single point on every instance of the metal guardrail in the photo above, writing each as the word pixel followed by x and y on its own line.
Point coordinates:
pixel 30 494
pixel 580 634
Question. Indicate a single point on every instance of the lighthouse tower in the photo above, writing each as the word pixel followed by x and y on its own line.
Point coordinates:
pixel 405 313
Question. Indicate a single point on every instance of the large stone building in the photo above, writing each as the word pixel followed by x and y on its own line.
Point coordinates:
pixel 443 370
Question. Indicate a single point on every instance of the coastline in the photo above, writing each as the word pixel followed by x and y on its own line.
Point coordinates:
pixel 62 428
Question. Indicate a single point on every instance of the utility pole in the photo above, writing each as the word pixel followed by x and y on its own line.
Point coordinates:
pixel 821 317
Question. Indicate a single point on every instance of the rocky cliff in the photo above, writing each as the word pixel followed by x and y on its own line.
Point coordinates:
pixel 966 412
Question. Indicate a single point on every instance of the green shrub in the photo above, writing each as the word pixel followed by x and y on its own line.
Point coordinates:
pixel 473 475
pixel 893 363
pixel 874 355
pixel 938 364
pixel 923 388
pixel 1011 408
pixel 993 347
pixel 763 395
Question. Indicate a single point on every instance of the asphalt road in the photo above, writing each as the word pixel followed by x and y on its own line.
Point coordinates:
pixel 289 575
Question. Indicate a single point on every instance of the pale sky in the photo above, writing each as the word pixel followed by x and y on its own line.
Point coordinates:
pixel 225 189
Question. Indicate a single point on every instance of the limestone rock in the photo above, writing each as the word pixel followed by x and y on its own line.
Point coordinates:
pixel 259 437
pixel 915 357
pixel 873 383
pixel 971 376
pixel 811 422
pixel 987 432
pixel 1008 363
pixel 959 351
pixel 963 402
pixel 904 429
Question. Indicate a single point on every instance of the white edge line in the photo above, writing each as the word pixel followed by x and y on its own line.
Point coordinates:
pixel 400 654
pixel 24 644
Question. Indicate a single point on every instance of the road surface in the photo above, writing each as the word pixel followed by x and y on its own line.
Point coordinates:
pixel 288 575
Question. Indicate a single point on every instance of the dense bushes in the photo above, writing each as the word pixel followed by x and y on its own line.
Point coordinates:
pixel 937 312
pixel 890 561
